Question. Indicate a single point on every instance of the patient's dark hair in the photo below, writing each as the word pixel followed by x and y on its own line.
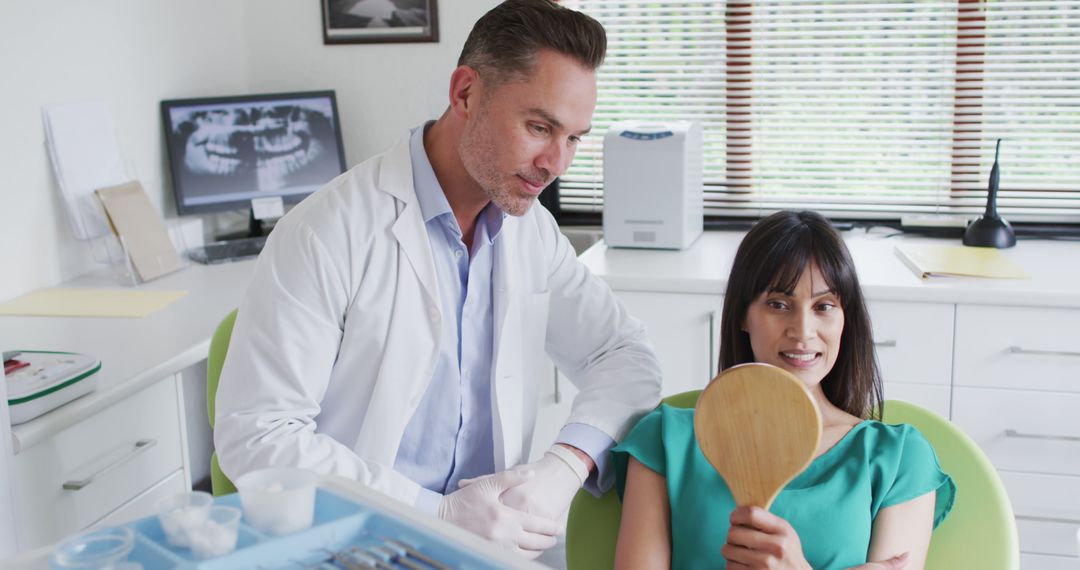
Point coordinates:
pixel 772 257
pixel 504 42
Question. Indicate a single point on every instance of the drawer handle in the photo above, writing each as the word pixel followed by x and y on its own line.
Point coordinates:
pixel 885 343
pixel 1022 350
pixel 139 447
pixel 1047 519
pixel 1016 434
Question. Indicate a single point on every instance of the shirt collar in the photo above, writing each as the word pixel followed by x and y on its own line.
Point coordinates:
pixel 429 192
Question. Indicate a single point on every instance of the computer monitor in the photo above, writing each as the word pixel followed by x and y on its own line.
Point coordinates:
pixel 226 151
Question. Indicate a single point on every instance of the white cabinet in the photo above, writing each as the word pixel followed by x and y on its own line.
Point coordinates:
pixel 914 349
pixel 1042 562
pixel 1017 394
pixel 100 465
pixel 143 504
pixel 933 398
pixel 685 331
pixel 104 457
pixel 1036 432
pixel 1018 348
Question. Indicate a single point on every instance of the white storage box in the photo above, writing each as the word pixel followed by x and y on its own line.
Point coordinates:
pixel 652 184
pixel 52 379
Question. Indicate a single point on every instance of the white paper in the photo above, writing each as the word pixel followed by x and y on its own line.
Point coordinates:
pixel 269 208
pixel 85 156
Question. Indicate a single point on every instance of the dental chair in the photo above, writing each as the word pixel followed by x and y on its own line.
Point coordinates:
pixel 219 346
pixel 979 534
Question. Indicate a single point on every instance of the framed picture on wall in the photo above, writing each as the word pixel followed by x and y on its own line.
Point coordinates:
pixel 379 21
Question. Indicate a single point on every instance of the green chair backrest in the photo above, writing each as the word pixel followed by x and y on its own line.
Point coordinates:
pixel 592 526
pixel 981 530
pixel 219 346
pixel 982 515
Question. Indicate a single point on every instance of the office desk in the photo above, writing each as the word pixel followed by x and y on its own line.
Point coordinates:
pixel 127 440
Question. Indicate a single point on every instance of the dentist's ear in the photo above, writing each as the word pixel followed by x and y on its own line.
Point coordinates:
pixel 464 85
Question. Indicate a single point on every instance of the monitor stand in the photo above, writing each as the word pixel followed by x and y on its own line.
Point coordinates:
pixel 256 228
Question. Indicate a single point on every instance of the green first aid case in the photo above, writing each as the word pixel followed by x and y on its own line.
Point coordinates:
pixel 50 380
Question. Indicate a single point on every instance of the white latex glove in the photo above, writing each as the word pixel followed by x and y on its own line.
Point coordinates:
pixel 477 508
pixel 557 476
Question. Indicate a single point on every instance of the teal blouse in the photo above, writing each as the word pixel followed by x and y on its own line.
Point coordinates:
pixel 831 505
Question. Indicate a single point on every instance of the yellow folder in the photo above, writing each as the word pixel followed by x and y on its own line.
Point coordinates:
pixel 65 302
pixel 958 260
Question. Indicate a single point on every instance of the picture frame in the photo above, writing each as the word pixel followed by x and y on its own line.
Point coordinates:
pixel 379 21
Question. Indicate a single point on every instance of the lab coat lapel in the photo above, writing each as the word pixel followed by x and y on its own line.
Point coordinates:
pixel 507 372
pixel 395 178
pixel 409 360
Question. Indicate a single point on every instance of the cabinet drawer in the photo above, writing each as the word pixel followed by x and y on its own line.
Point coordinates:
pixel 1037 432
pixel 685 331
pixel 1050 497
pixel 1047 537
pixel 933 398
pixel 1040 562
pixel 143 505
pixel 113 456
pixel 914 341
pixel 1017 347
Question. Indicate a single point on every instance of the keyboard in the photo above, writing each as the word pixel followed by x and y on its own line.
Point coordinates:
pixel 230 250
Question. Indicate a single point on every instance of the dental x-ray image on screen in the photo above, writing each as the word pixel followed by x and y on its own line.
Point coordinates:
pixel 226 151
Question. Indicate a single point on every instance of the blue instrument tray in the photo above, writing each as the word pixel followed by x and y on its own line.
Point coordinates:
pixel 339 525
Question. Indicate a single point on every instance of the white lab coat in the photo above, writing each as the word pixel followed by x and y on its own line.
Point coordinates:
pixel 337 337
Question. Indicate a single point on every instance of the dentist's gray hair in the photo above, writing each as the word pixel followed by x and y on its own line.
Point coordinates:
pixel 504 42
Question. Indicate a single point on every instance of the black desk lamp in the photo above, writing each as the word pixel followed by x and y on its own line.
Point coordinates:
pixel 990 230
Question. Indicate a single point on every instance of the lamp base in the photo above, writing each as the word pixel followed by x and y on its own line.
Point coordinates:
pixel 990 232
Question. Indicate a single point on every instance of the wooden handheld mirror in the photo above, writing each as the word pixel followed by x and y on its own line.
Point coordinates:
pixel 759 427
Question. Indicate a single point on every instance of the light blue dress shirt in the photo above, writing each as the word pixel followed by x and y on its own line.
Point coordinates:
pixel 450 435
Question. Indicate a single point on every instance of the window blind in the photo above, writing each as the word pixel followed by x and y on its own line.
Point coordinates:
pixel 865 110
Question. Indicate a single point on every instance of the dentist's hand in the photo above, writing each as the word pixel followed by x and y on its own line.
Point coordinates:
pixel 557 476
pixel 478 509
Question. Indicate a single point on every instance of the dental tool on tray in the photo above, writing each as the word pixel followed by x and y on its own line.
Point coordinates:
pixel 379 554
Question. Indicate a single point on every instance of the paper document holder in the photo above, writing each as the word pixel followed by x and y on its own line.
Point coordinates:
pixel 139 248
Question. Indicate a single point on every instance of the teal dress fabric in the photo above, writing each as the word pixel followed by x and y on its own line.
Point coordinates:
pixel 831 505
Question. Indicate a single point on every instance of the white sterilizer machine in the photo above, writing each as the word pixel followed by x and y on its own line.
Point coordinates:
pixel 652 184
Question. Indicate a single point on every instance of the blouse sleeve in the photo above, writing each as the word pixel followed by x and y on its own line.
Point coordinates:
pixel 645 442
pixel 918 472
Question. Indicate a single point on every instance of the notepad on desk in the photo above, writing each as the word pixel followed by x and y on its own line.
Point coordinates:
pixel 72 302
pixel 959 261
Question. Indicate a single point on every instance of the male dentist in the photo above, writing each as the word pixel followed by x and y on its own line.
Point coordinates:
pixel 395 329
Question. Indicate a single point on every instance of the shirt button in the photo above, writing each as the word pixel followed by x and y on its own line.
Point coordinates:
pixel 434 314
pixel 459 253
pixel 468 374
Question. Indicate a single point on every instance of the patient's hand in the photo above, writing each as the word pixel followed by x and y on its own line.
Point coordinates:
pixel 894 563
pixel 760 539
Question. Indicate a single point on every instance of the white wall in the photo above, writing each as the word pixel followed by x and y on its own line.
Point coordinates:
pixel 382 89
pixel 130 54
pixel 133 53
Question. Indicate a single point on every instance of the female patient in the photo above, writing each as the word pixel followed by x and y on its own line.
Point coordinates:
pixel 873 493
